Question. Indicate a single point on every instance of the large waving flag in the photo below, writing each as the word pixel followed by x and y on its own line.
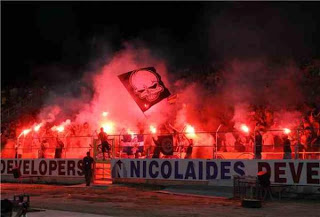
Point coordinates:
pixel 145 86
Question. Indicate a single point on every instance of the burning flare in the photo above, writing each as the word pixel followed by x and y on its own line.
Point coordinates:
pixel 244 128
pixel 37 127
pixel 153 130
pixel 190 131
pixel 60 128
pixel 24 132
pixel 286 130
pixel 105 114
pixel 131 133
pixel 108 127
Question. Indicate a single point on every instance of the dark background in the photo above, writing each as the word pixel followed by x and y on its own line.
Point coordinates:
pixel 53 42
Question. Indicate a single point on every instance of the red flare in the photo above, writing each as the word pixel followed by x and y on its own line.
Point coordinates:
pixel 153 130
pixel 286 130
pixel 24 132
pixel 245 128
pixel 60 129
pixel 190 131
pixel 131 133
pixel 108 127
pixel 37 127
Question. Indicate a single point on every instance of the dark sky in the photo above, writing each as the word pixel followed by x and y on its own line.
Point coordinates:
pixel 40 39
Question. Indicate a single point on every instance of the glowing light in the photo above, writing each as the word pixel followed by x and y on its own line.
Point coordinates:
pixel 105 114
pixel 287 130
pixel 190 131
pixel 153 129
pixel 108 127
pixel 24 132
pixel 245 128
pixel 60 129
pixel 131 133
pixel 37 127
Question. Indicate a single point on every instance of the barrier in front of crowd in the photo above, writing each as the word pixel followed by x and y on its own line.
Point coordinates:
pixel 206 145
pixel 215 171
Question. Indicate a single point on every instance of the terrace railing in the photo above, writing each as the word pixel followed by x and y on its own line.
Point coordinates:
pixel 206 145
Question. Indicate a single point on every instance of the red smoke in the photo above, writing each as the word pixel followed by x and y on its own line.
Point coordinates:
pixel 244 83
pixel 113 99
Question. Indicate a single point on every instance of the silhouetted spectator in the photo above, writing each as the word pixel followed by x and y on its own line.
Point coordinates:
pixel 258 145
pixel 105 146
pixel 87 168
pixel 286 147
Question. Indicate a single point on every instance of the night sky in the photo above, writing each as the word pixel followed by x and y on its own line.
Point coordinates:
pixel 41 38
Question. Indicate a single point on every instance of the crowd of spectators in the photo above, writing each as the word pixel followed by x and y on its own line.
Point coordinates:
pixel 261 119
pixel 305 136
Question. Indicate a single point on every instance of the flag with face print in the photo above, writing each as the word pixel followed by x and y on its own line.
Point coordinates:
pixel 145 87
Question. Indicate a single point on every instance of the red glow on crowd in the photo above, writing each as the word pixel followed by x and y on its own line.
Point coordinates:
pixel 113 109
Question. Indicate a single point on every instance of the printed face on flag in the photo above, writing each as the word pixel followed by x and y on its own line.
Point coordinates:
pixel 145 87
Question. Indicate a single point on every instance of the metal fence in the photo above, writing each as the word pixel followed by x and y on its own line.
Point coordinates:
pixel 205 145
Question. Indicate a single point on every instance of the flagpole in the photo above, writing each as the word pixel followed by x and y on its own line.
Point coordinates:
pixel 144 115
